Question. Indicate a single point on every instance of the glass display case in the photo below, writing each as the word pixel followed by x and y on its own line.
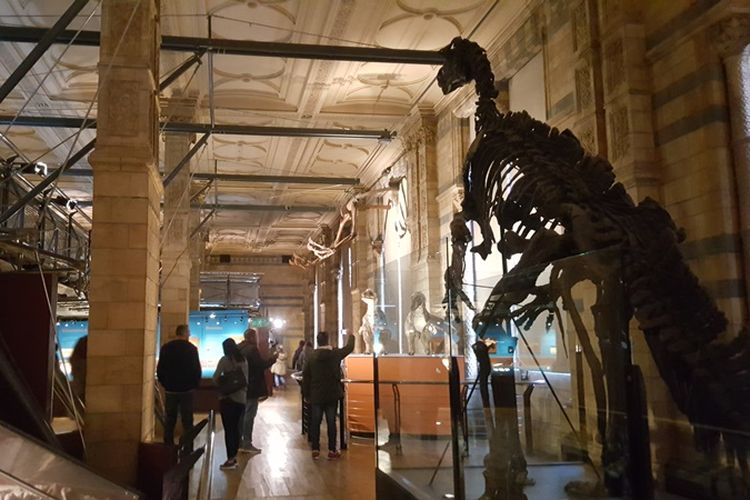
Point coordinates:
pixel 537 396
pixel 29 469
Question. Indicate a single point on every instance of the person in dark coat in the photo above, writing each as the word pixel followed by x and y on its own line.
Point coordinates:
pixel 296 355
pixel 78 367
pixel 257 389
pixel 321 386
pixel 179 372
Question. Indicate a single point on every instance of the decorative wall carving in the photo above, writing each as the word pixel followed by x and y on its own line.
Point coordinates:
pixel 584 92
pixel 730 35
pixel 588 139
pixel 580 26
pixel 619 133
pixel 614 58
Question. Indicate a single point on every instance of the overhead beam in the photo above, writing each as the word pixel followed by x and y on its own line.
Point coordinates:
pixel 244 47
pixel 204 128
pixel 247 178
pixel 46 39
pixel 241 207
pixel 277 179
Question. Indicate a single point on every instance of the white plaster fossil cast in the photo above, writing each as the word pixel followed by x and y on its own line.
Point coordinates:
pixel 428 333
pixel 373 332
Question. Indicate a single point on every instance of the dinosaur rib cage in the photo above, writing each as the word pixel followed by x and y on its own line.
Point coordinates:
pixel 530 178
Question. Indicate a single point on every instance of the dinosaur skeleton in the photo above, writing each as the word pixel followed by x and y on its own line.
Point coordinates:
pixel 552 201
pixel 320 251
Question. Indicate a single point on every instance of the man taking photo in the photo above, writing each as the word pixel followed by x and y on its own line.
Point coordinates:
pixel 321 385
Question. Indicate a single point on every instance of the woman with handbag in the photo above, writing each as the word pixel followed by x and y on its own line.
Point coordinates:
pixel 230 378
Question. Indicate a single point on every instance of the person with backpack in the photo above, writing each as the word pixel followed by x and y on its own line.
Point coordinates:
pixel 257 389
pixel 230 378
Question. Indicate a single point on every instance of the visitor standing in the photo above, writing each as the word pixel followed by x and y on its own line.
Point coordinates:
pixel 78 367
pixel 321 385
pixel 279 369
pixel 297 354
pixel 179 372
pixel 304 356
pixel 231 379
pixel 256 387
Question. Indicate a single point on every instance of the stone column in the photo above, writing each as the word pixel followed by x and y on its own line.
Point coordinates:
pixel 175 243
pixel 125 240
pixel 424 223
pixel 590 124
pixel 626 89
pixel 362 271
pixel 732 37
pixel 196 260
pixel 197 246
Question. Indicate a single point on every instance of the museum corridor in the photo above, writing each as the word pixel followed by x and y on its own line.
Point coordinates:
pixel 285 469
pixel 516 231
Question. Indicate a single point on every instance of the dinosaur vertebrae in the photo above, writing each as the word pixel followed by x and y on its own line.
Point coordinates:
pixel 532 178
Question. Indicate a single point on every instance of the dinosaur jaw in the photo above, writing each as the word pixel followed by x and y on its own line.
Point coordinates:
pixel 449 80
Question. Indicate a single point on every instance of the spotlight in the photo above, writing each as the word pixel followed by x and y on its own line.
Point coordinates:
pixel 40 169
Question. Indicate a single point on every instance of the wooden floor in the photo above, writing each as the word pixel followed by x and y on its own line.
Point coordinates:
pixel 285 468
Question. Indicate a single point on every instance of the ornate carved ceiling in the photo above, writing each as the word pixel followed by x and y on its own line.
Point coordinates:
pixel 257 91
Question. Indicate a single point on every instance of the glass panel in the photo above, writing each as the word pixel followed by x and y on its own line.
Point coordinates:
pixel 412 368
pixel 530 412
pixel 45 470
pixel 414 422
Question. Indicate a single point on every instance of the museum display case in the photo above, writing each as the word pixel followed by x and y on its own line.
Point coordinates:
pixel 29 469
pixel 517 402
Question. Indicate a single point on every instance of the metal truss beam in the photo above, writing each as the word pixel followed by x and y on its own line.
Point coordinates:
pixel 251 179
pixel 203 128
pixel 244 47
pixel 48 37
pixel 46 182
pixel 261 208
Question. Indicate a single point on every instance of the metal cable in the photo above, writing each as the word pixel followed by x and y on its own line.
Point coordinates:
pixel 102 77
pixel 47 73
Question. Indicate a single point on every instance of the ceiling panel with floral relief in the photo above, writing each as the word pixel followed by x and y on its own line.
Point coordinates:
pixel 258 91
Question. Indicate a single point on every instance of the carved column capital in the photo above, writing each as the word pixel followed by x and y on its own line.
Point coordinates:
pixel 454 195
pixel 730 35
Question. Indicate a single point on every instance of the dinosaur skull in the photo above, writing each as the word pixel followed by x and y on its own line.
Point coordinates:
pixel 455 72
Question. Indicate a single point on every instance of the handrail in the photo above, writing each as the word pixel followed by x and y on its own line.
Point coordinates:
pixel 207 474
pixel 426 382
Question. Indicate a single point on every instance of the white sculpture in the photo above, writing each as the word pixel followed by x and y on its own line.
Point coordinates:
pixel 426 331
pixel 373 329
